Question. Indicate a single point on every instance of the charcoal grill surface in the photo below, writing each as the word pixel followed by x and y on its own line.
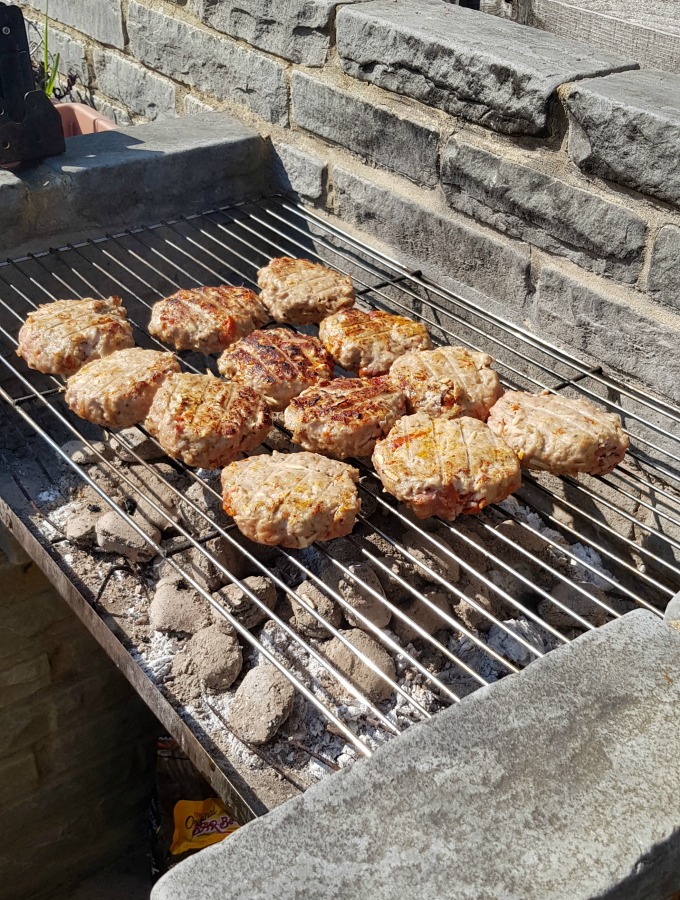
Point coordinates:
pixel 614 540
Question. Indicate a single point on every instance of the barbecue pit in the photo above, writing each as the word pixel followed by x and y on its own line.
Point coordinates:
pixel 470 602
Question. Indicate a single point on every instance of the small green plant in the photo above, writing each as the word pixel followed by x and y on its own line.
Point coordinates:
pixel 49 71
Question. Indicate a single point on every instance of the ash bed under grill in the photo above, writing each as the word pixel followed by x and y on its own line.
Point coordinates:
pixel 561 557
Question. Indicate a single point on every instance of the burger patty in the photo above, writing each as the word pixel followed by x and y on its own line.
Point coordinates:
pixel 369 342
pixel 558 434
pixel 301 292
pixel 117 391
pixel 346 416
pixel 207 319
pixel 59 338
pixel 448 380
pixel 205 421
pixel 278 363
pixel 445 466
pixel 291 499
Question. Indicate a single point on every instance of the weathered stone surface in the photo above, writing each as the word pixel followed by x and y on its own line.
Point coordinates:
pixel 193 105
pixel 370 683
pixel 298 171
pixel 212 64
pixel 24 679
pixel 543 210
pixel 100 19
pixel 262 704
pixel 466 252
pixel 305 622
pixel 243 607
pixel 578 712
pixel 477 67
pixel 378 134
pixel 13 194
pixel 178 608
pixel 216 657
pixel 116 535
pixel 632 339
pixel 298 30
pixel 134 86
pixel 664 271
pixel 627 128
pixel 208 158
pixel 18 776
pixel 423 615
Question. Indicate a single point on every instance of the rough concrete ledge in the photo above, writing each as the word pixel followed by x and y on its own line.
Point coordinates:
pixel 481 68
pixel 559 783
pixel 137 174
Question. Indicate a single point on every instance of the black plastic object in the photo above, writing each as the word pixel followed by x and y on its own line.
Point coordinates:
pixel 30 126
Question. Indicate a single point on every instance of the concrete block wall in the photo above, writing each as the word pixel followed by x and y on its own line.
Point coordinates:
pixel 77 745
pixel 534 168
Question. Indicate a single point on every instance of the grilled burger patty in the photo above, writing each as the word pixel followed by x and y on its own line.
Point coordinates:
pixel 448 380
pixel 291 499
pixel 117 391
pixel 59 338
pixel 205 421
pixel 278 363
pixel 301 292
pixel 369 342
pixel 445 466
pixel 558 434
pixel 206 319
pixel 346 416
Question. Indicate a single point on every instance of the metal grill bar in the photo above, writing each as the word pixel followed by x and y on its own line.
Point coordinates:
pixel 228 246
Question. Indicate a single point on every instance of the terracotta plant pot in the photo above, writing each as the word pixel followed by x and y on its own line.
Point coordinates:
pixel 77 118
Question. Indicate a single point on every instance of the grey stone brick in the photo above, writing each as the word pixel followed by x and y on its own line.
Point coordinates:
pixel 664 272
pixel 134 86
pixel 627 128
pixel 298 171
pixel 18 776
pixel 443 241
pixel 543 210
pixel 485 69
pixel 561 782
pixel 298 30
pixel 376 133
pixel 71 51
pixel 99 19
pixel 623 332
pixel 24 679
pixel 210 63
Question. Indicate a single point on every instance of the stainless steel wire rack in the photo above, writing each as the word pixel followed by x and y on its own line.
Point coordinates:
pixel 612 543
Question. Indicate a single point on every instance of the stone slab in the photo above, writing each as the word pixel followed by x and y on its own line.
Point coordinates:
pixel 135 87
pixel 526 203
pixel 648 32
pixel 664 271
pixel 298 30
pixel 99 19
pixel 298 171
pixel 624 332
pixel 208 62
pixel 442 241
pixel 482 68
pixel 385 137
pixel 626 128
pixel 206 159
pixel 541 785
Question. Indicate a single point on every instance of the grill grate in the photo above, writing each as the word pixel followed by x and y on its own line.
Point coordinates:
pixel 614 540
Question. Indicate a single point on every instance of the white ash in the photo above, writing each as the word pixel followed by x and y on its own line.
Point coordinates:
pixel 155 658
pixel 535 635
pixel 593 558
